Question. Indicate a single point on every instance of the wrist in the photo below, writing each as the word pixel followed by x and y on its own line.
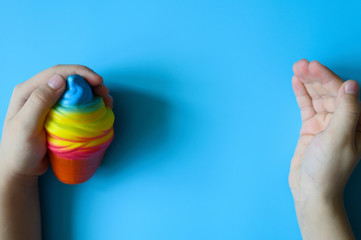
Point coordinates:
pixel 13 180
pixel 318 202
pixel 19 206
pixel 312 195
pixel 323 217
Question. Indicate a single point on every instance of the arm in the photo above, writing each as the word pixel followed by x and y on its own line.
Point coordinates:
pixel 19 208
pixel 321 217
pixel 23 147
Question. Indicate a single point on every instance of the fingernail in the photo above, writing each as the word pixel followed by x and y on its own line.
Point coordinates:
pixel 352 87
pixel 55 82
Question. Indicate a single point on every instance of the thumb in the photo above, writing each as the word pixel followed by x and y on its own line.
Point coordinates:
pixel 41 101
pixel 347 111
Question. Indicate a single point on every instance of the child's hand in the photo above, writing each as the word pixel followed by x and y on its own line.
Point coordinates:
pixel 329 146
pixel 23 147
pixel 23 143
pixel 328 149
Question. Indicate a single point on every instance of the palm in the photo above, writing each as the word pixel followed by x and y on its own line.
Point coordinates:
pixel 316 123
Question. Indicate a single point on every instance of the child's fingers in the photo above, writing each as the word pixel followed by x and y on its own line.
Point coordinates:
pixel 108 100
pixel 34 111
pixel 103 91
pixel 304 100
pixel 23 91
pixel 329 80
pixel 347 113
pixel 66 70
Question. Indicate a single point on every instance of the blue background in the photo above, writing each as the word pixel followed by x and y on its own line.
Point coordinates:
pixel 206 120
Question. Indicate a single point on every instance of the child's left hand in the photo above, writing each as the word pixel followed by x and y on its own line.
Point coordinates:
pixel 23 143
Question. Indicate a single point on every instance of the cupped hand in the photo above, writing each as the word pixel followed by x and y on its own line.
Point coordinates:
pixel 329 146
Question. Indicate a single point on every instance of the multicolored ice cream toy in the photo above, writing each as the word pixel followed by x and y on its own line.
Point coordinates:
pixel 79 130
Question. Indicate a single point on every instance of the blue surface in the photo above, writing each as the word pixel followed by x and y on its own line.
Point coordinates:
pixel 206 121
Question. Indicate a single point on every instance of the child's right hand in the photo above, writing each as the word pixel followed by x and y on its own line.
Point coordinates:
pixel 23 143
pixel 329 146
pixel 328 149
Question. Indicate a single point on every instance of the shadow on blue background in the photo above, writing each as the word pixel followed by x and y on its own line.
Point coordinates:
pixel 57 217
pixel 141 122
pixel 353 201
pixel 348 72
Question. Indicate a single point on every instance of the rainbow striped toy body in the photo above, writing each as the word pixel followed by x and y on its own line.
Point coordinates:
pixel 79 130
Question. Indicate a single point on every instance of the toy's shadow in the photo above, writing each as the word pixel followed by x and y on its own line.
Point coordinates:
pixel 352 197
pixel 141 124
pixel 56 201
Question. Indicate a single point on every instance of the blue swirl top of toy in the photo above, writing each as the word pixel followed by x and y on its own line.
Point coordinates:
pixel 77 91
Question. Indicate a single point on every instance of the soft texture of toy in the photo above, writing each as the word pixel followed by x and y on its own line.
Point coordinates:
pixel 79 130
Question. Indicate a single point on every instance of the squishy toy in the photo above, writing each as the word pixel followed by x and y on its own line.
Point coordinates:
pixel 79 130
